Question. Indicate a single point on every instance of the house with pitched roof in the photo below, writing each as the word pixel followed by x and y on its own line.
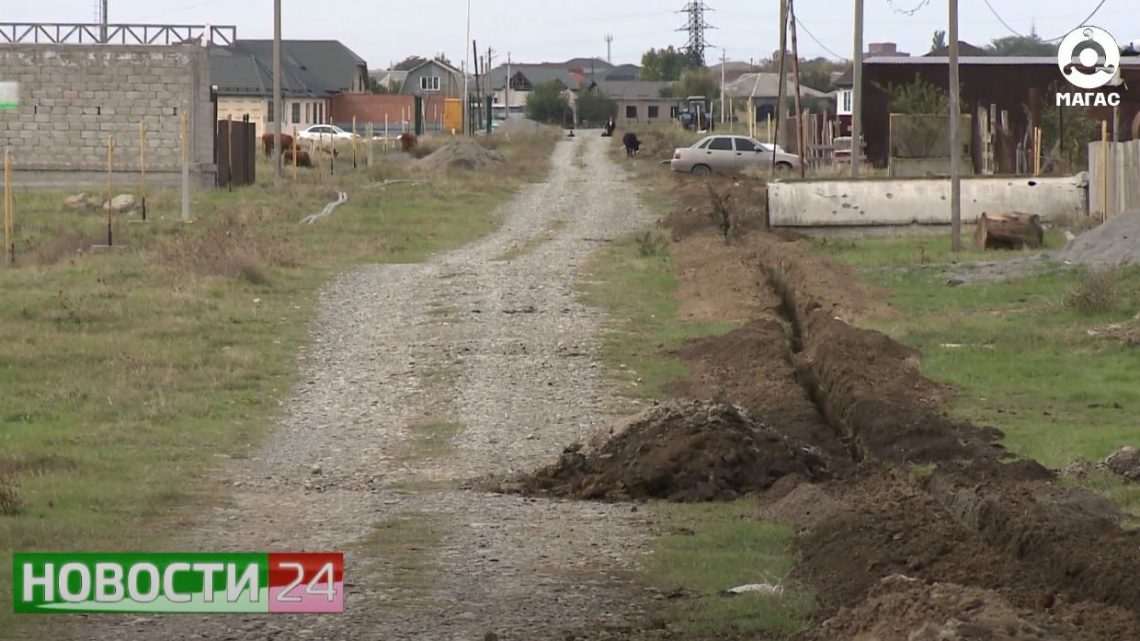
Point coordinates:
pixel 522 79
pixel 312 72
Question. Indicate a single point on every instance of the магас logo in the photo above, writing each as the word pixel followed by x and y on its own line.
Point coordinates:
pixel 1089 58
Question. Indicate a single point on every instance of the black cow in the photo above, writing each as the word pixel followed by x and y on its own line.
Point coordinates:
pixel 631 143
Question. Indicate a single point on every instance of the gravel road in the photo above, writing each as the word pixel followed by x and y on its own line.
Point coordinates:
pixel 421 377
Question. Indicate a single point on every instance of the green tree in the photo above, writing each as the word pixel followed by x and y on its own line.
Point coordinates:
pixel 594 106
pixel 411 62
pixel 917 97
pixel 1031 45
pixel 694 82
pixel 663 64
pixel 546 103
pixel 392 86
pixel 938 41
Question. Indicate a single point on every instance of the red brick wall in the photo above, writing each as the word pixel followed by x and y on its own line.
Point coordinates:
pixel 373 107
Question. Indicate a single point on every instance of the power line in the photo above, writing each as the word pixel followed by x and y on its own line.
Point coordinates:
pixel 1002 20
pixel 1083 22
pixel 811 35
pixel 908 12
pixel 1060 37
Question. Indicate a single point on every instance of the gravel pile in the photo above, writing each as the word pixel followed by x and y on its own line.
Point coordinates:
pixel 1117 242
pixel 460 155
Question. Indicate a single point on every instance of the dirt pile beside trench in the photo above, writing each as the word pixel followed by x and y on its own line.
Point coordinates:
pixel 1116 242
pixel 460 155
pixel 681 451
pixel 902 608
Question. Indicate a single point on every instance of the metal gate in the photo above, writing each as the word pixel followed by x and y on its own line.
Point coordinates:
pixel 236 153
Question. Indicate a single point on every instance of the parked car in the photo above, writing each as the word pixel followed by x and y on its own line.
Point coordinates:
pixel 325 134
pixel 727 153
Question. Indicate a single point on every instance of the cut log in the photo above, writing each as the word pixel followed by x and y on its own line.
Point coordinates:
pixel 1009 231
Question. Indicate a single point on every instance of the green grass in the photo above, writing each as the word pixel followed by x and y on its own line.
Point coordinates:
pixel 710 547
pixel 1021 359
pixel 431 439
pixel 126 376
pixel 638 292
pixel 919 249
pixel 404 546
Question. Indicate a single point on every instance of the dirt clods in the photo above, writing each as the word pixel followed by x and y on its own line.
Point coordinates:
pixel 460 155
pixel 901 608
pixel 681 451
pixel 1125 462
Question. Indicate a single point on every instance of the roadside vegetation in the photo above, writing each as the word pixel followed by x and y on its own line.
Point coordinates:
pixel 702 549
pixel 1049 357
pixel 128 374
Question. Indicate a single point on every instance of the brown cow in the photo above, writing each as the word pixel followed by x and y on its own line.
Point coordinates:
pixel 267 142
pixel 303 159
pixel 407 142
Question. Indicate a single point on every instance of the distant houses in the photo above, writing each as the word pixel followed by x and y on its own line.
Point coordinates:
pixel 313 72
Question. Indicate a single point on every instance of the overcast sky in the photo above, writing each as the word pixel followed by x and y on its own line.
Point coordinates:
pixel 383 31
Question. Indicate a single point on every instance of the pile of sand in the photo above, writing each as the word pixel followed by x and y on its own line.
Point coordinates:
pixel 460 155
pixel 681 451
pixel 1117 242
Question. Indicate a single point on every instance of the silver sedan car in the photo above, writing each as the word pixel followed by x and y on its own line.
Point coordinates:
pixel 728 153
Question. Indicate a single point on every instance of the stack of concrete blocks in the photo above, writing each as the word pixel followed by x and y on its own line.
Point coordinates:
pixel 72 97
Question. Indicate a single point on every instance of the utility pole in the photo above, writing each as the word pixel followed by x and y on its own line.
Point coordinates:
pixel 723 61
pixel 467 128
pixel 278 107
pixel 103 22
pixel 857 95
pixel 800 148
pixel 783 81
pixel 955 148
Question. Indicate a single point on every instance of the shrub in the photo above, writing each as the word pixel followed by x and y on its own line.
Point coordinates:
pixel 650 243
pixel 1097 291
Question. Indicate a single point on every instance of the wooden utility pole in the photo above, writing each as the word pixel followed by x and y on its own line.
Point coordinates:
pixel 955 148
pixel 278 108
pixel 796 74
pixel 783 81
pixel 857 95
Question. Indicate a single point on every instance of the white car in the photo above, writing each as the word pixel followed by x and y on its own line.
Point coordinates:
pixel 325 134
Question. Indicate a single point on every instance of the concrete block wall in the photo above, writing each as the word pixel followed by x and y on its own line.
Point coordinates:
pixel 72 97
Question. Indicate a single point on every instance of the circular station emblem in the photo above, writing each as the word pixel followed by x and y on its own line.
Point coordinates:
pixel 1089 57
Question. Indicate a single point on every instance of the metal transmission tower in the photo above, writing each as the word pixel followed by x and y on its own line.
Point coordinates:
pixel 696 27
pixel 609 48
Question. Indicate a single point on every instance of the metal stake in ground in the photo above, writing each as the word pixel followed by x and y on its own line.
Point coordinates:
pixel 354 142
pixel 9 207
pixel 142 168
pixel 185 138
pixel 110 185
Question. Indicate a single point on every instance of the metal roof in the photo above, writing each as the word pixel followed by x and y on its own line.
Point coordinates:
pixel 634 89
pixel 981 60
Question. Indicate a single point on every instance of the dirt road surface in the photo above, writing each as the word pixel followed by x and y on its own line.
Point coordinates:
pixel 418 378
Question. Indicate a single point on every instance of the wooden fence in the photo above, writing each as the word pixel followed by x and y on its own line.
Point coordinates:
pixel 1114 178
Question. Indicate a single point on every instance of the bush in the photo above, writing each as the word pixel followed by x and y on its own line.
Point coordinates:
pixel 650 243
pixel 10 502
pixel 1097 291
pixel 547 103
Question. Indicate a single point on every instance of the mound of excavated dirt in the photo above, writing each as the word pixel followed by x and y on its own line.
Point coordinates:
pixel 681 451
pixel 906 609
pixel 460 155
pixel 1117 242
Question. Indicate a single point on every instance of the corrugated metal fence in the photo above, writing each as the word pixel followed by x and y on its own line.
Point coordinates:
pixel 1114 178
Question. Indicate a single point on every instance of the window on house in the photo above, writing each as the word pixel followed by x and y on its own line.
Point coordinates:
pixel 429 83
pixel 520 83
pixel 631 112
pixel 846 101
pixel 296 113
pixel 269 111
pixel 674 111
pixel 653 111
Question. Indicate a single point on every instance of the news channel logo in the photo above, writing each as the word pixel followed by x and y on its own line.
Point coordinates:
pixel 1089 58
